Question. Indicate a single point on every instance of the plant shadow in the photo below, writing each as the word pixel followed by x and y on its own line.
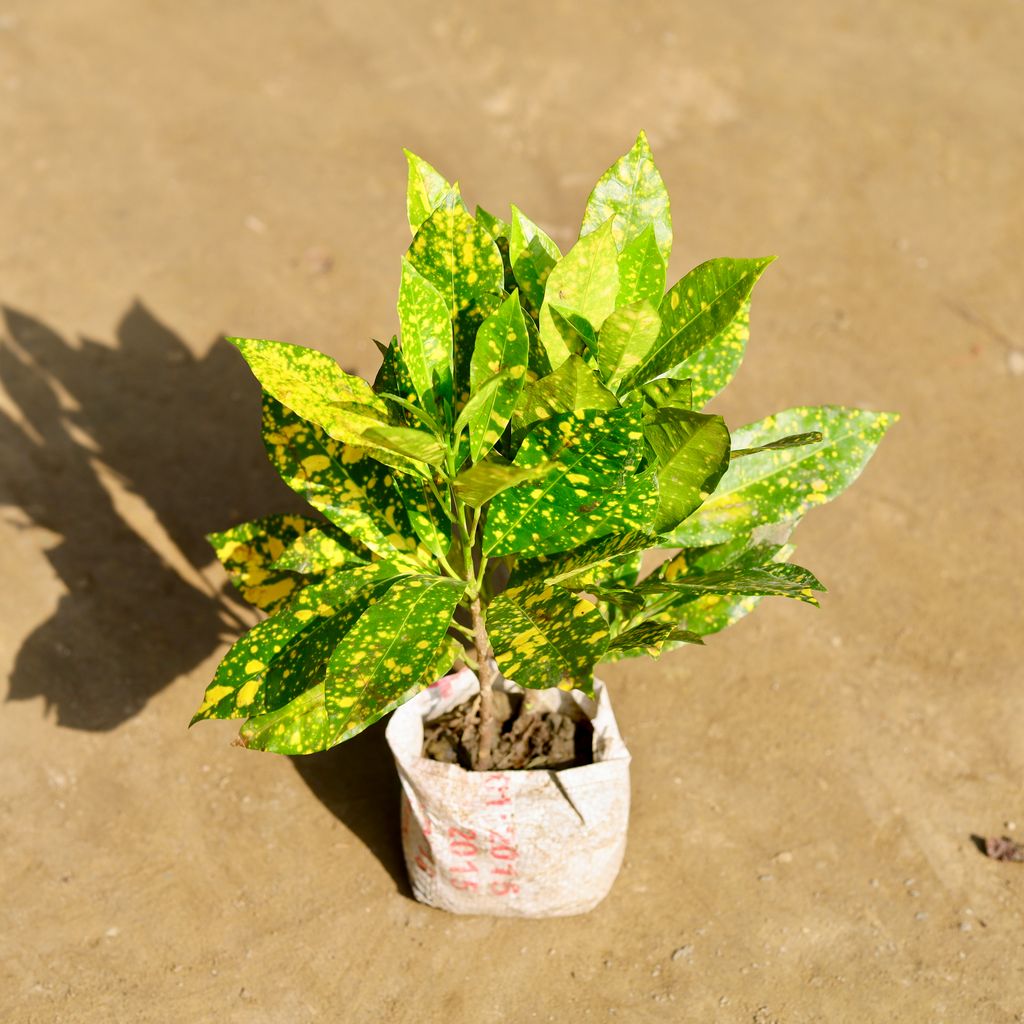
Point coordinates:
pixel 357 783
pixel 127 454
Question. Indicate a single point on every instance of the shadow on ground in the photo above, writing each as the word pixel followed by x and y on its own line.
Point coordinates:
pixel 179 434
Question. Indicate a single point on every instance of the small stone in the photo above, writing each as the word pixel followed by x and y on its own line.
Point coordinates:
pixel 1015 362
pixel 682 951
pixel 1010 826
pixel 920 916
pixel 785 857
pixel 966 926
pixel 112 933
pixel 255 225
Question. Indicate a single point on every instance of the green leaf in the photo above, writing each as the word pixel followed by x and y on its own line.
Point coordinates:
pixel 426 330
pixel 386 656
pixel 416 445
pixel 573 387
pixel 651 638
pixel 692 452
pixel 248 553
pixel 524 232
pixel 625 339
pixel 773 579
pixel 591 563
pixel 633 192
pixel 478 400
pixel 545 637
pixel 321 549
pixel 426 516
pixel 316 388
pixel 793 441
pixel 695 310
pixel 502 344
pixel 464 330
pixel 533 254
pixel 576 333
pixel 494 226
pixel 354 491
pixel 774 486
pixel 641 271
pixel 711 613
pixel 393 381
pixel 300 727
pixel 531 271
pixel 586 281
pixel 307 723
pixel 589 492
pixel 482 481
pixel 715 364
pixel 427 189
pixel 666 392
pixel 456 255
pixel 238 686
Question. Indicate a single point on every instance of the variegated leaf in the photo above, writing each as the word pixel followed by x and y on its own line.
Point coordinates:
pixel 426 190
pixel 625 339
pixel 318 390
pixel 585 281
pixel 393 379
pixel 389 651
pixel 417 446
pixel 426 331
pixel 249 553
pixel 302 726
pixel 457 256
pixel 592 563
pixel 715 364
pixel 771 579
pixel 531 271
pixel 589 492
pixel 543 637
pixel 480 482
pixel 533 254
pixel 321 549
pixel 665 391
pixel 792 441
pixel 695 311
pixel 238 688
pixel 633 192
pixel 573 387
pixel 577 334
pixel 524 231
pixel 426 516
pixel 354 491
pixel 464 330
pixel 774 486
pixel 710 613
pixel 494 226
pixel 651 638
pixel 502 347
pixel 692 452
pixel 641 271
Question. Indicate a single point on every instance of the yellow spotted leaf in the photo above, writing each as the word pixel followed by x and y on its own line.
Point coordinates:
pixel 544 637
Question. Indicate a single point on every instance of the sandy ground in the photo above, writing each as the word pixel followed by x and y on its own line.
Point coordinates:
pixel 805 789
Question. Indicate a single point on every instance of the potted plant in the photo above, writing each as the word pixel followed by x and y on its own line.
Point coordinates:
pixel 536 427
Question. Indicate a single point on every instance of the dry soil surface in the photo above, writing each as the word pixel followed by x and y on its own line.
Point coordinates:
pixel 805 788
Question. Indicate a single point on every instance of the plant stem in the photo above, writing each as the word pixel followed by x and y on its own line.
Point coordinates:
pixel 487 673
pixel 467 525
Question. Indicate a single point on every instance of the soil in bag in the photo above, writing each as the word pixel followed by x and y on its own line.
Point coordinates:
pixel 526 738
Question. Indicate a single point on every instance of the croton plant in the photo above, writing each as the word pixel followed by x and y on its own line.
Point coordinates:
pixel 535 428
